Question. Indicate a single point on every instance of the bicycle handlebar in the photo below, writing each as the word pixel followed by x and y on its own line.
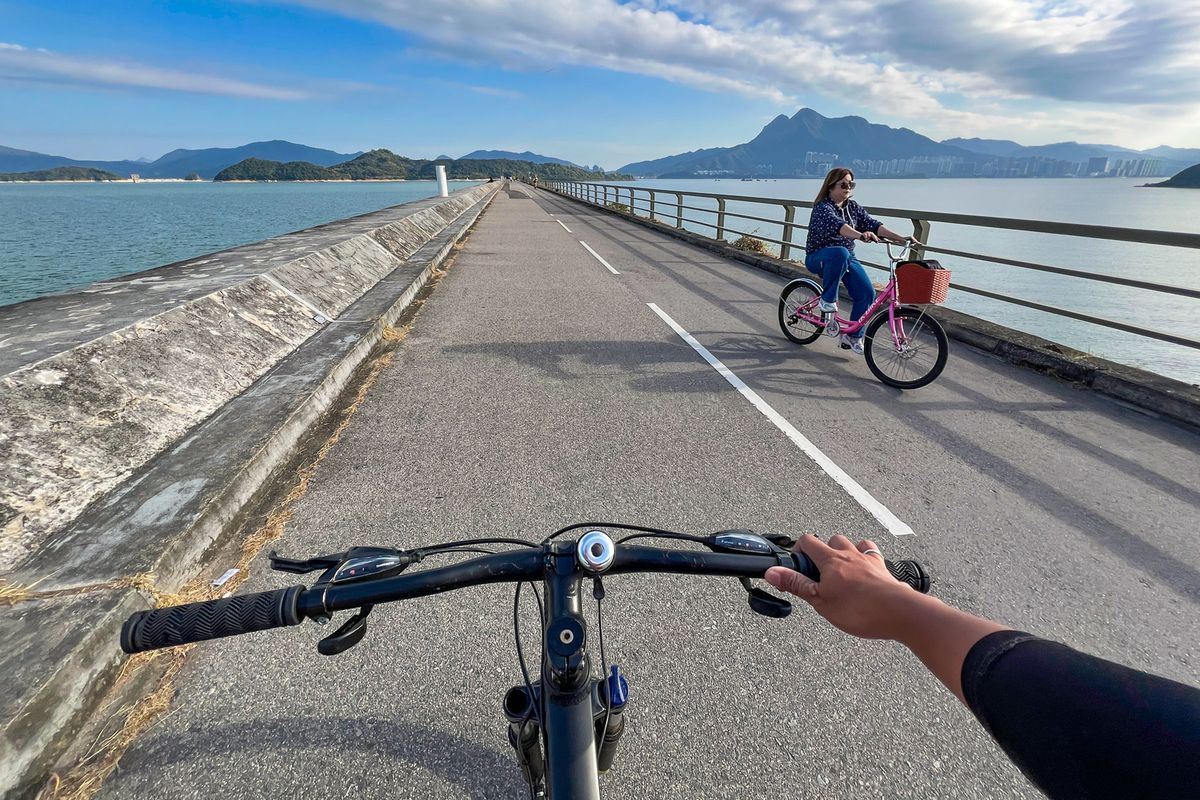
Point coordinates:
pixel 214 619
pixel 211 619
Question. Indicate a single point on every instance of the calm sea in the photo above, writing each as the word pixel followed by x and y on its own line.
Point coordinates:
pixel 1115 202
pixel 56 237
pixel 60 236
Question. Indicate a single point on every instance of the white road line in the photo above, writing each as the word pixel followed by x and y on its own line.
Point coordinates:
pixel 598 258
pixel 852 487
pixel 565 228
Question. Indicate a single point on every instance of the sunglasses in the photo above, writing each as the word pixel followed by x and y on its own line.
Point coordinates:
pixel 847 185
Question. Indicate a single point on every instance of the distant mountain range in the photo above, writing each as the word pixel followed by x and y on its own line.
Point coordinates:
pixel 208 162
pixel 532 158
pixel 808 142
pixel 178 163
pixel 386 165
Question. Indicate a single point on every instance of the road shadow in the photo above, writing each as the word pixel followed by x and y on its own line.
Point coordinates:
pixel 473 770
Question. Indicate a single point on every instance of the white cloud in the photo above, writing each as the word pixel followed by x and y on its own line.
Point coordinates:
pixel 44 66
pixel 943 67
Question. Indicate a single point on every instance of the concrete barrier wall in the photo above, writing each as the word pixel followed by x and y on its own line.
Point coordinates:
pixel 78 421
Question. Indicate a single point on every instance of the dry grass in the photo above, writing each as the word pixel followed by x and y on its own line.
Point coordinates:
pixel 11 593
pixel 87 775
pixel 749 244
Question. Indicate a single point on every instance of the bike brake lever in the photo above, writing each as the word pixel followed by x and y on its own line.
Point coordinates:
pixel 349 634
pixel 301 566
pixel 765 603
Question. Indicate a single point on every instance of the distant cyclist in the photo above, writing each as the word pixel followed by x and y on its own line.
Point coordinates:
pixel 1078 726
pixel 837 222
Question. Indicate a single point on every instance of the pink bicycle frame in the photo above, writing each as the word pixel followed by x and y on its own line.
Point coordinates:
pixel 888 295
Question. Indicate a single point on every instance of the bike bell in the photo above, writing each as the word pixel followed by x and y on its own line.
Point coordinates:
pixel 595 551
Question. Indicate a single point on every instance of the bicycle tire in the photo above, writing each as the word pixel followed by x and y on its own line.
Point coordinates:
pixel 797 293
pixel 924 330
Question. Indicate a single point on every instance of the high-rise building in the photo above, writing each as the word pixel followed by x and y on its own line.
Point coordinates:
pixel 1097 166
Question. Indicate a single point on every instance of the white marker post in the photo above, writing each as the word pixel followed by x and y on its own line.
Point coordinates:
pixel 443 189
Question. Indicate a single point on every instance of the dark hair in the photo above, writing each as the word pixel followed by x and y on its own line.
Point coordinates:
pixel 833 176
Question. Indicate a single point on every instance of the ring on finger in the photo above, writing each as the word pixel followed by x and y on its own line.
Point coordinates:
pixel 871 551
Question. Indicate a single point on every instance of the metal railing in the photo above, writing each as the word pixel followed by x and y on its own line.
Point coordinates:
pixel 649 201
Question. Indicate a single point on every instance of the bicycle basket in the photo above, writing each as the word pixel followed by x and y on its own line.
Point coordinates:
pixel 922 282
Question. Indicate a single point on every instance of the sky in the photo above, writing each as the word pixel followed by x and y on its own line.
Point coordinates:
pixel 592 81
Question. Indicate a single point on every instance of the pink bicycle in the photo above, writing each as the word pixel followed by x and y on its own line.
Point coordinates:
pixel 908 354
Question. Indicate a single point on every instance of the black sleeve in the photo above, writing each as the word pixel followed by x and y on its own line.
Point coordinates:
pixel 1079 726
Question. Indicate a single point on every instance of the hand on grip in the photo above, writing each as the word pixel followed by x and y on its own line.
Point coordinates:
pixel 211 619
pixel 852 586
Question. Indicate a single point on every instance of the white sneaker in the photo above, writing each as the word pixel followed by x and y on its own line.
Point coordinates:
pixel 832 328
pixel 854 345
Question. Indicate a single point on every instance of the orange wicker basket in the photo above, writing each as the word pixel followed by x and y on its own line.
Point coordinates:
pixel 922 282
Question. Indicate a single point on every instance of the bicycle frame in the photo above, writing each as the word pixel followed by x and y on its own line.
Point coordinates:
pixel 889 295
pixel 566 680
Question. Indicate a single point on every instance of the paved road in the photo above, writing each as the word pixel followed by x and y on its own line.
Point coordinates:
pixel 537 389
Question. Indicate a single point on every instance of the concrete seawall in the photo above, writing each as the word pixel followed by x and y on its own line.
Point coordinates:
pixel 142 416
pixel 97 382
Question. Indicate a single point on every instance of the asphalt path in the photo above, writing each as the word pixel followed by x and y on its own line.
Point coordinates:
pixel 539 388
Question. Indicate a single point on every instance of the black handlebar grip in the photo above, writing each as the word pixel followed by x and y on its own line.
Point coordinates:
pixel 908 571
pixel 211 619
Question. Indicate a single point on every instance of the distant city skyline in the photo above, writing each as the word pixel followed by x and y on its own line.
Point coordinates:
pixel 590 81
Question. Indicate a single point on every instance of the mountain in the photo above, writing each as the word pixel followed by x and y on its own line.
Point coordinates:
pixel 986 147
pixel 13 160
pixel 1188 179
pixel 178 163
pixel 210 161
pixel 1075 151
pixel 260 169
pixel 386 165
pixel 61 174
pixel 1185 154
pixel 781 148
pixel 532 158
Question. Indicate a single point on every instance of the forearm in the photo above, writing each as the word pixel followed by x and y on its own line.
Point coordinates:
pixel 941 637
pixel 885 232
pixel 849 232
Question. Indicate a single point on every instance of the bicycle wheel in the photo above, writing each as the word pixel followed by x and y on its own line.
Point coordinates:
pixel 795 295
pixel 917 360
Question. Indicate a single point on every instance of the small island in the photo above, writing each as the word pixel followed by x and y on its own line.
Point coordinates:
pixel 384 165
pixel 1188 179
pixel 62 174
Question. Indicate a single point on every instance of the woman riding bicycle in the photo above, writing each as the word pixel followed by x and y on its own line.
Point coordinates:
pixel 837 222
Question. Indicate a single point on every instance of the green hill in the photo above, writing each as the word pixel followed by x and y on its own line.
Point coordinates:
pixel 386 165
pixel 1188 179
pixel 260 169
pixel 62 174
pixel 377 165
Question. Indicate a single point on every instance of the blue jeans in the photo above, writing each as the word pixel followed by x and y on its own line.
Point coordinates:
pixel 838 265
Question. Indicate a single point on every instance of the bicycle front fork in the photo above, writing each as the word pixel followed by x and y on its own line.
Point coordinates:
pixel 525 735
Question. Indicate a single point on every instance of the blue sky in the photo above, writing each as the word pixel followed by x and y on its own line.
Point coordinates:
pixel 593 81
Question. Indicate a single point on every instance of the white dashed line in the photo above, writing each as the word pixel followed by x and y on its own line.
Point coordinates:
pixel 598 258
pixel 565 228
pixel 852 487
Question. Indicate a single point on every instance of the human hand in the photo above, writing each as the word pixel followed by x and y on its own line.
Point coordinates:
pixel 869 236
pixel 856 592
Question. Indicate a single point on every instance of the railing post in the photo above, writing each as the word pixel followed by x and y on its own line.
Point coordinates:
pixel 651 191
pixel 720 219
pixel 789 217
pixel 921 234
pixel 632 209
pixel 679 209
pixel 606 195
